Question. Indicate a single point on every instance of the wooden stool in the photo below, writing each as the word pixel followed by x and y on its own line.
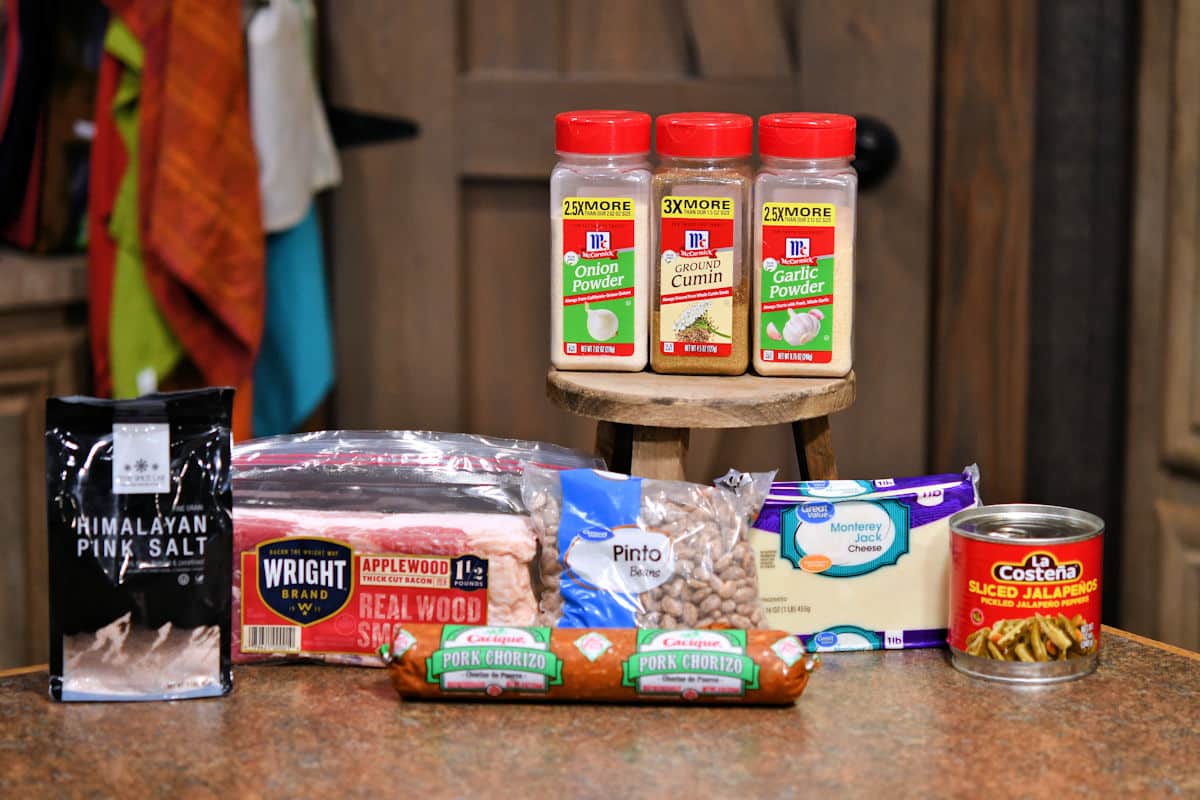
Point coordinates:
pixel 643 420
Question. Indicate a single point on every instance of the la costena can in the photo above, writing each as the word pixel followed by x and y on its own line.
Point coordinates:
pixel 1025 585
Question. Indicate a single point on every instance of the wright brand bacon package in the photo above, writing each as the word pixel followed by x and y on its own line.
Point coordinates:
pixel 340 537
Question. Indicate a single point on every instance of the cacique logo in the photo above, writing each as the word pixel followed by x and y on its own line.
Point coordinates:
pixel 693 642
pixel 495 636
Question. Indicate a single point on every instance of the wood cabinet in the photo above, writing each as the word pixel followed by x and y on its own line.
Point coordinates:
pixel 42 353
pixel 1160 589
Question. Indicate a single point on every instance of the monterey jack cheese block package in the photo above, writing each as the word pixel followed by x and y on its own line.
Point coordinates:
pixel 860 565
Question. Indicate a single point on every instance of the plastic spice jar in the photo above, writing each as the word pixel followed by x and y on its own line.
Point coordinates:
pixel 600 241
pixel 701 202
pixel 805 196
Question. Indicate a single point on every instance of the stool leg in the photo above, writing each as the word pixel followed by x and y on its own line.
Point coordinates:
pixel 659 452
pixel 814 449
pixel 614 443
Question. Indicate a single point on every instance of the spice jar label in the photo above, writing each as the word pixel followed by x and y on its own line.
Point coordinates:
pixel 797 302
pixel 696 276
pixel 598 276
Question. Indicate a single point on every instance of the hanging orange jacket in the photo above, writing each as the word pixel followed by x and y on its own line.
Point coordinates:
pixel 108 163
pixel 199 208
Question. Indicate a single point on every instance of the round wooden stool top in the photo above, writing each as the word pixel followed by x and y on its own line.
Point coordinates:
pixel 694 401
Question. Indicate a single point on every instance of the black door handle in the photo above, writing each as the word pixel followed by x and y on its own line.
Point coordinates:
pixel 352 128
pixel 876 151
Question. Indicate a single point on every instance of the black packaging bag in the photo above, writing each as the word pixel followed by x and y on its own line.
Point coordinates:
pixel 141 546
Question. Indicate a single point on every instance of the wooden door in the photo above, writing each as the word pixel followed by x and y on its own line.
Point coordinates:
pixel 1160 588
pixel 440 243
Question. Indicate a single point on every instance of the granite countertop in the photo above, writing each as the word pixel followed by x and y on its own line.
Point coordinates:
pixel 898 722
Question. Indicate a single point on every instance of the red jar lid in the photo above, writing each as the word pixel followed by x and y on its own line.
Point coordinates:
pixel 602 132
pixel 806 135
pixel 704 134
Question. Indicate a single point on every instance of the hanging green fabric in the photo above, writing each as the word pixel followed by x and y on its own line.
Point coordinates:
pixel 140 338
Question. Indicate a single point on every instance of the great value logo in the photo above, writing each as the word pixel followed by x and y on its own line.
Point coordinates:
pixel 815 513
pixel 305 580
pixel 834 489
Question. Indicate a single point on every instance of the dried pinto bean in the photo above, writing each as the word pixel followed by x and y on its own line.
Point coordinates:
pixel 713 580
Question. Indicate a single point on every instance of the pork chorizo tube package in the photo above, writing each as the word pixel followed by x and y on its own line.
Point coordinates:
pixel 622 552
pixel 601 665
pixel 340 537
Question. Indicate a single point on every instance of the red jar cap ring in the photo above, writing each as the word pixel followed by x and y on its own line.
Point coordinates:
pixel 704 134
pixel 806 135
pixel 599 132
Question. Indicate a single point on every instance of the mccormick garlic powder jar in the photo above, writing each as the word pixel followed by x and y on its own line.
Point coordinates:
pixel 600 241
pixel 701 205
pixel 805 198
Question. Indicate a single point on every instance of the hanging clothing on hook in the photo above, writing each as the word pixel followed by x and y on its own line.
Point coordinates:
pixel 297 159
pixel 296 156
pixel 199 212
pixel 108 163
pixel 140 338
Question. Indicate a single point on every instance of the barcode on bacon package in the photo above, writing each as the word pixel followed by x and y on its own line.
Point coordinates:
pixel 271 638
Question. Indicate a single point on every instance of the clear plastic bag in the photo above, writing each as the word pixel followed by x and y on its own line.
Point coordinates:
pixel 392 471
pixel 340 537
pixel 633 552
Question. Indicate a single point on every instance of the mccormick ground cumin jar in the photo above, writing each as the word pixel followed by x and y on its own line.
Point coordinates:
pixel 701 204
pixel 1025 592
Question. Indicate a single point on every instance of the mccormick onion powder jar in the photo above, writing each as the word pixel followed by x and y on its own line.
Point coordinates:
pixel 600 241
